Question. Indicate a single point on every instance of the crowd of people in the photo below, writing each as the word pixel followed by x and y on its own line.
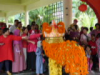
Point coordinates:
pixel 89 39
pixel 21 47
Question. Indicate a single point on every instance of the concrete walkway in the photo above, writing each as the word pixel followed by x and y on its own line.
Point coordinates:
pixel 32 73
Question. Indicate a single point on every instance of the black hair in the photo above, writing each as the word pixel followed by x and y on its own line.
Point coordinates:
pixel 97 24
pixel 76 27
pixel 16 20
pixel 42 37
pixel 23 29
pixel 19 22
pixel 11 33
pixel 91 28
pixel 33 23
pixel 50 22
pixel 85 28
pixel 87 46
pixel 29 27
pixel 41 26
pixel 98 35
pixel 5 30
pixel 93 35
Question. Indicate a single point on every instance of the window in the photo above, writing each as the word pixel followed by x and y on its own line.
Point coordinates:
pixel 55 11
pixel 47 13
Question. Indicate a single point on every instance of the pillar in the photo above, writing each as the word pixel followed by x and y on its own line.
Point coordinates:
pixel 67 12
pixel 6 20
pixel 26 18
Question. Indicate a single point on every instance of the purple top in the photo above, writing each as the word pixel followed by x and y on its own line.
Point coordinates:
pixel 95 32
pixel 74 34
pixel 17 44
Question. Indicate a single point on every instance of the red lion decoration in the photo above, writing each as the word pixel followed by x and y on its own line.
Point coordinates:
pixel 83 7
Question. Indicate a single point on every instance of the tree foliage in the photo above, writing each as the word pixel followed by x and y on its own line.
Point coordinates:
pixel 41 15
pixel 88 18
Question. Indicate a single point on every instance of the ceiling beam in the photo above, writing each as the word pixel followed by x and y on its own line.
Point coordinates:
pixel 10 1
pixel 12 13
pixel 11 7
pixel 27 2
pixel 40 3
pixel 2 14
pixel 26 5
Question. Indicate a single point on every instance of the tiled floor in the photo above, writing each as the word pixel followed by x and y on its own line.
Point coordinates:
pixel 94 74
pixel 31 73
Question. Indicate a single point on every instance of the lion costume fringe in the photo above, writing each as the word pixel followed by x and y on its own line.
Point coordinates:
pixel 63 53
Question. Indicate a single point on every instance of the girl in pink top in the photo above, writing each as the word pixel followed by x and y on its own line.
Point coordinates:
pixel 25 42
pixel 32 49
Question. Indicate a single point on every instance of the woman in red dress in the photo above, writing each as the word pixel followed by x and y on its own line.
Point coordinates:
pixel 6 49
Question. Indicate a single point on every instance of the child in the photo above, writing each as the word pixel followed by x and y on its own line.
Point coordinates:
pixel 31 56
pixel 93 45
pixel 88 54
pixel 39 59
pixel 24 42
pixel 25 47
pixel 84 37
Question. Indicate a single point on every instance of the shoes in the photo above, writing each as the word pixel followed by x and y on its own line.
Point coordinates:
pixel 92 72
pixel 8 73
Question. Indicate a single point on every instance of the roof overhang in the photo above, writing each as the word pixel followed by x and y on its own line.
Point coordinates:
pixel 13 7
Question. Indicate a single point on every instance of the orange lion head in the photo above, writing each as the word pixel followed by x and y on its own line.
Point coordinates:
pixel 53 30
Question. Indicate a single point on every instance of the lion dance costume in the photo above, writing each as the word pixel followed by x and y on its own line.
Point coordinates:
pixel 63 53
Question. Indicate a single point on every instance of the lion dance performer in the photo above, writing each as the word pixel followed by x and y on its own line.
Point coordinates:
pixel 63 53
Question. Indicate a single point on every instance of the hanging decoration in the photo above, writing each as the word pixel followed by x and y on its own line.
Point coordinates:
pixel 83 0
pixel 83 7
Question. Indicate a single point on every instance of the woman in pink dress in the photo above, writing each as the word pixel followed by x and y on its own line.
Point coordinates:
pixel 19 60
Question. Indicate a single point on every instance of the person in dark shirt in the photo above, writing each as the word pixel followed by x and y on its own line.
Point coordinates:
pixel 93 45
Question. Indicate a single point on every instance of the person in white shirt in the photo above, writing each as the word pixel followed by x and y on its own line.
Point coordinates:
pixel 84 36
pixel 13 28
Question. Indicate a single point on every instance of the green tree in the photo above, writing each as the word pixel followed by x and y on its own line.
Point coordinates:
pixel 41 15
pixel 88 18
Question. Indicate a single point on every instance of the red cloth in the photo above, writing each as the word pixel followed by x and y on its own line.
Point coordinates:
pixel 30 31
pixel 93 47
pixel 36 31
pixel 3 27
pixel 6 50
pixel 34 38
pixel 24 42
